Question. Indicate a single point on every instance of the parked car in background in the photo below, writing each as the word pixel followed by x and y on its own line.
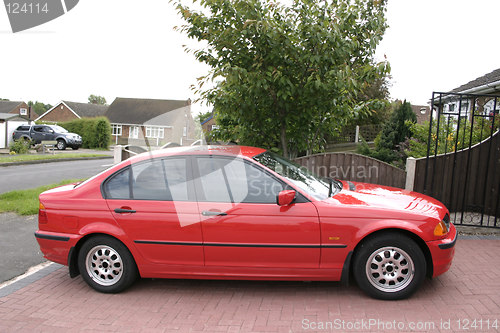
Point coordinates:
pixel 231 212
pixel 38 133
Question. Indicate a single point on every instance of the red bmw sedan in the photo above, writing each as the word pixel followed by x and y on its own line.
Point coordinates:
pixel 234 212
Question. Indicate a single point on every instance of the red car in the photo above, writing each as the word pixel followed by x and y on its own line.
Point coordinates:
pixel 230 212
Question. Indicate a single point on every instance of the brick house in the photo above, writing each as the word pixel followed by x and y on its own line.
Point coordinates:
pixel 422 113
pixel 208 124
pixel 19 108
pixel 66 111
pixel 151 122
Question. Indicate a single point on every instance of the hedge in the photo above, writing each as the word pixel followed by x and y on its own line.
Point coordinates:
pixel 95 132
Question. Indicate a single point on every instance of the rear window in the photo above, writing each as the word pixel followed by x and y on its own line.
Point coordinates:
pixel 164 180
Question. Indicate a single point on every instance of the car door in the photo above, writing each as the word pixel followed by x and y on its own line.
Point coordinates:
pixel 38 134
pixel 153 202
pixel 242 223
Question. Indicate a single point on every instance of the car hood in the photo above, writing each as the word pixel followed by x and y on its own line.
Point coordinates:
pixel 376 201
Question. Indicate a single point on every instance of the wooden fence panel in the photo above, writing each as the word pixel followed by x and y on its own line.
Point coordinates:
pixel 354 167
pixel 467 180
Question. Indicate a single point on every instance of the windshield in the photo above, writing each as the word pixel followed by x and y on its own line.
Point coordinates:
pixel 315 186
pixel 58 129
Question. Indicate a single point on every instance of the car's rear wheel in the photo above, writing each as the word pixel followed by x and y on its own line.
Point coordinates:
pixel 106 264
pixel 61 144
pixel 389 266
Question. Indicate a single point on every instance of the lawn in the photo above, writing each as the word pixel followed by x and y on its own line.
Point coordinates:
pixel 24 158
pixel 25 202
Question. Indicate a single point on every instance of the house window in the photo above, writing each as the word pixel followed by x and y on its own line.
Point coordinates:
pixel 155 132
pixel 23 111
pixel 133 132
pixel 116 130
pixel 452 107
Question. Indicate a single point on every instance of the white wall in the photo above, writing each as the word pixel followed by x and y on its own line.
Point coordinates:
pixel 2 134
pixel 11 127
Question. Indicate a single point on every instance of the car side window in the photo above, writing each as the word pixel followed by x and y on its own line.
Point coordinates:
pixel 38 129
pixel 237 181
pixel 176 177
pixel 118 186
pixel 148 181
pixel 164 180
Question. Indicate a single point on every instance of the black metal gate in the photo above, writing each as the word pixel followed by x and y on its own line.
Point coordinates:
pixel 462 166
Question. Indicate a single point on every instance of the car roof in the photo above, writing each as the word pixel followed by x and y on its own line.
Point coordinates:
pixel 230 150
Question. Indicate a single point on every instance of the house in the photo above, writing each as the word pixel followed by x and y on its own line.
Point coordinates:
pixel 66 111
pixel 151 122
pixel 209 124
pixel 488 84
pixel 8 123
pixel 422 113
pixel 18 108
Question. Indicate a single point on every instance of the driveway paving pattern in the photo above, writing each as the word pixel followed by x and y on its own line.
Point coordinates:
pixel 460 300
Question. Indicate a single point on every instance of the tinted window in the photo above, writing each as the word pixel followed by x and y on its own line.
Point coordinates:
pixel 175 172
pixel 117 187
pixel 38 128
pixel 148 181
pixel 233 180
pixel 151 180
pixel 23 128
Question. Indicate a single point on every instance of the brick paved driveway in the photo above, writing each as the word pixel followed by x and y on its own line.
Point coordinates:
pixel 469 291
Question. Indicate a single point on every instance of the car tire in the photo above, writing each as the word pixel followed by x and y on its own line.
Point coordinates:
pixel 75 148
pixel 106 264
pixel 61 144
pixel 389 266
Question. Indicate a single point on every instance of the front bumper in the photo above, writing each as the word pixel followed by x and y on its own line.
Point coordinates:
pixel 442 252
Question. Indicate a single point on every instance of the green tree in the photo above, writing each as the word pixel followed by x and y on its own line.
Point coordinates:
pixel 95 99
pixel 202 117
pixel 285 76
pixel 38 107
pixel 389 145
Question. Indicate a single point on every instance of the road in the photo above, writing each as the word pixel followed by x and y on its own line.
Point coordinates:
pixel 27 176
pixel 18 247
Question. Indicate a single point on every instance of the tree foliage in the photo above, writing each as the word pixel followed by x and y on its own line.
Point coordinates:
pixel 285 76
pixel 450 136
pixel 38 107
pixel 389 145
pixel 96 99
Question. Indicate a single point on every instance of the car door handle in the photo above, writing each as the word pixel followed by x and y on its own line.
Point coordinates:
pixel 212 213
pixel 121 210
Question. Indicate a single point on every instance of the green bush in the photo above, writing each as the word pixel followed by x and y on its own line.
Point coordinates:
pixel 20 146
pixel 95 132
pixel 390 144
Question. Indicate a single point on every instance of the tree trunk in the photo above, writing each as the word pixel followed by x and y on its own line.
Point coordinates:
pixel 284 142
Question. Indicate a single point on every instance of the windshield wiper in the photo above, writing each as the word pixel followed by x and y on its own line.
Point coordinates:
pixel 338 185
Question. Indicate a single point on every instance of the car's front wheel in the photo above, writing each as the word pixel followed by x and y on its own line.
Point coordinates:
pixel 61 144
pixel 106 264
pixel 389 266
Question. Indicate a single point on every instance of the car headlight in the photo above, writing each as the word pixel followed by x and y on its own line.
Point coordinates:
pixel 442 227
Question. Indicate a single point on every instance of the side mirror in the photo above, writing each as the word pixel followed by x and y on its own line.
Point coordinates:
pixel 285 197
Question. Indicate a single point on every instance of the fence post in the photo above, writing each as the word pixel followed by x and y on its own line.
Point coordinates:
pixel 411 164
pixel 117 154
pixel 356 136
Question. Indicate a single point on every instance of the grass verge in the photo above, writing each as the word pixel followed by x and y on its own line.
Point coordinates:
pixel 24 158
pixel 25 202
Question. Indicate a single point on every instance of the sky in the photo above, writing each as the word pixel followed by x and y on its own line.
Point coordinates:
pixel 124 48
